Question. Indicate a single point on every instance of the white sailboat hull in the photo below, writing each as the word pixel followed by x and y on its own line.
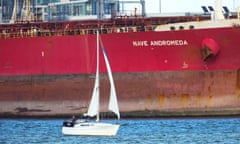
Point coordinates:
pixel 91 129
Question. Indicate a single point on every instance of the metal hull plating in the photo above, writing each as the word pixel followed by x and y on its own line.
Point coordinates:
pixel 128 52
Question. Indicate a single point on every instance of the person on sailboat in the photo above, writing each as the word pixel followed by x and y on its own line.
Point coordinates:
pixel 73 119
pixel 70 122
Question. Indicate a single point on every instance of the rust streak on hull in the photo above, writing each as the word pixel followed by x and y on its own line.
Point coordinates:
pixel 171 92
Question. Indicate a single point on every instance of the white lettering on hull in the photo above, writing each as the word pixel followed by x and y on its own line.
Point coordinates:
pixel 140 43
pixel 160 43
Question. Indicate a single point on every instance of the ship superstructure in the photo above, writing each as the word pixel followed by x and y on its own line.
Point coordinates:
pixel 55 10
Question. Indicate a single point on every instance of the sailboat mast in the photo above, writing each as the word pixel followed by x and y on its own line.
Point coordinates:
pixel 93 109
pixel 97 76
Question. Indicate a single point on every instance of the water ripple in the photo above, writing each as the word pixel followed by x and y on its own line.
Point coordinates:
pixel 132 131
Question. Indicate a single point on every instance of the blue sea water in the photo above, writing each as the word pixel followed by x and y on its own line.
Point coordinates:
pixel 132 131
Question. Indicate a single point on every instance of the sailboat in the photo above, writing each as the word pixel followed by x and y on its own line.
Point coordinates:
pixel 96 128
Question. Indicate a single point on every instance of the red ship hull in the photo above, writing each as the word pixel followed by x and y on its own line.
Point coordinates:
pixel 153 71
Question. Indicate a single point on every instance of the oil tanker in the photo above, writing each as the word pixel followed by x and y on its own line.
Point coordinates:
pixel 179 65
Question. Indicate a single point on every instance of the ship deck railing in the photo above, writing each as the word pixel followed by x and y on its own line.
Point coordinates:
pixel 68 28
pixel 71 32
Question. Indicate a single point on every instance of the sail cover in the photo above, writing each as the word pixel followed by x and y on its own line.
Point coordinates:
pixel 113 104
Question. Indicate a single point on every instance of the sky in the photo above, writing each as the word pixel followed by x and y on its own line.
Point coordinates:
pixel 170 6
